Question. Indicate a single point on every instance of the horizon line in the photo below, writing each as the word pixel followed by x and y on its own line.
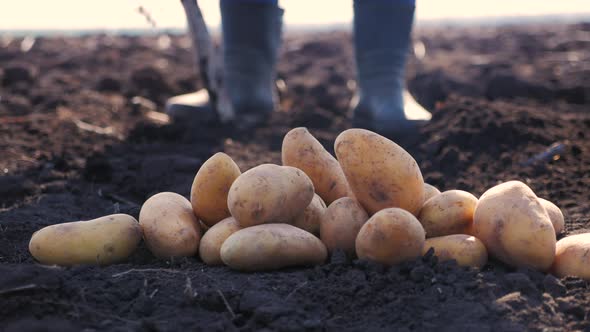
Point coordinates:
pixel 491 20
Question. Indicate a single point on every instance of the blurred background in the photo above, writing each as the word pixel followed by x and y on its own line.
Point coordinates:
pixel 119 14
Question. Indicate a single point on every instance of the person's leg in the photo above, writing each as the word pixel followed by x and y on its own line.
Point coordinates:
pixel 251 38
pixel 382 37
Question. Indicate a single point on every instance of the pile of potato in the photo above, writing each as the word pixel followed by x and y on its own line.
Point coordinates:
pixel 370 202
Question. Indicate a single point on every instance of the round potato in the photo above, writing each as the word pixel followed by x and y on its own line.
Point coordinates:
pixel 170 227
pixel 380 173
pixel 450 212
pixel 341 224
pixel 467 250
pixel 271 246
pixel 302 150
pixel 555 215
pixel 210 188
pixel 269 194
pixel 514 227
pixel 210 245
pixel 572 257
pixel 430 191
pixel 310 219
pixel 390 236
pixel 102 241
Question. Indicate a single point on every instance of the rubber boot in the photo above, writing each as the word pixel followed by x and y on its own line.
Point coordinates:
pixel 251 39
pixel 381 39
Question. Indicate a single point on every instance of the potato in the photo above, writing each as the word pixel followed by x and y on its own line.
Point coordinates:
pixel 390 236
pixel 514 227
pixel 271 246
pixel 210 188
pixel 341 224
pixel 430 191
pixel 310 219
pixel 572 257
pixel 450 212
pixel 380 173
pixel 467 250
pixel 555 215
pixel 301 150
pixel 170 228
pixel 269 194
pixel 210 246
pixel 105 240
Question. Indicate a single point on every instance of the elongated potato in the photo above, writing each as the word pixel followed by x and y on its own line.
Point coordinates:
pixel 450 212
pixel 310 219
pixel 380 173
pixel 302 150
pixel 105 240
pixel 271 246
pixel 210 188
pixel 467 250
pixel 210 245
pixel 390 236
pixel 572 257
pixel 555 215
pixel 430 191
pixel 170 227
pixel 514 227
pixel 269 194
pixel 341 224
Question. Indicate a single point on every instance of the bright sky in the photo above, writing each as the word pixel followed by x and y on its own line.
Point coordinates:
pixel 117 14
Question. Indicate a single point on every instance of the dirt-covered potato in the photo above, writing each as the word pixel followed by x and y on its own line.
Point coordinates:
pixel 310 219
pixel 170 227
pixel 430 191
pixel 105 240
pixel 269 194
pixel 555 215
pixel 380 173
pixel 302 150
pixel 341 224
pixel 210 188
pixel 270 247
pixel 467 250
pixel 514 227
pixel 210 245
pixel 572 257
pixel 450 212
pixel 390 236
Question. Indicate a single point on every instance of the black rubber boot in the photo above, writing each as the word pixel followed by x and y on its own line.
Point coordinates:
pixel 382 38
pixel 251 39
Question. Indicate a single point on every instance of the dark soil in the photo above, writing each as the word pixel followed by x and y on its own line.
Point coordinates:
pixel 75 144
